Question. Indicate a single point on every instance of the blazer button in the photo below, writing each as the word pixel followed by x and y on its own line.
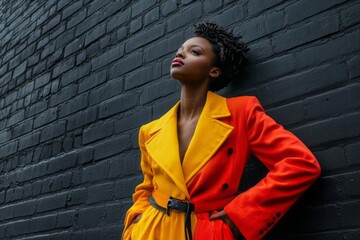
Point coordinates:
pixel 278 214
pixel 224 186
pixel 230 151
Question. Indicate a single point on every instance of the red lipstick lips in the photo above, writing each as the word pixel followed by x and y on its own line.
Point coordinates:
pixel 177 62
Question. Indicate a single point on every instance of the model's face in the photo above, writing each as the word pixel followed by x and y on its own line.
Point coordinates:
pixel 193 63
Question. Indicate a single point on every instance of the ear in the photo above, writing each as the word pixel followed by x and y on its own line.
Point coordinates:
pixel 215 72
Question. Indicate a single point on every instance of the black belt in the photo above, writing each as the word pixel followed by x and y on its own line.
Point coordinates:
pixel 174 204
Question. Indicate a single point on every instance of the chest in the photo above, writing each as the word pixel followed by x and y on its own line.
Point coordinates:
pixel 185 133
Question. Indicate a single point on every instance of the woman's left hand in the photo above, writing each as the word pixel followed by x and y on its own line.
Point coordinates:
pixel 222 216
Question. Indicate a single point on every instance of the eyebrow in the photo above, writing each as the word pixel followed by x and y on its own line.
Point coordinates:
pixel 193 45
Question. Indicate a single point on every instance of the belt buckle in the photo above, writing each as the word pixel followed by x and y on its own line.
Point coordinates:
pixel 167 211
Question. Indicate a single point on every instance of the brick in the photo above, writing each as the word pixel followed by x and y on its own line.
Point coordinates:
pixel 65 219
pixel 81 119
pixel 136 25
pixel 288 114
pixel 25 208
pixel 168 45
pixel 48 50
pixel 145 37
pixel 81 57
pixel 93 50
pixel 261 26
pixel 29 140
pixel 45 117
pixel 117 105
pixel 306 33
pixel 108 57
pixel 29 50
pixel 100 193
pixel 230 16
pixel 95 133
pixel 92 81
pixel 26 89
pixel 62 96
pixel 133 120
pixel 350 16
pixel 274 68
pixel 15 118
pixel 111 147
pixel 52 131
pixel 118 19
pixel 325 76
pixel 5 136
pixel 308 7
pixel 350 218
pixel 168 7
pixel 62 162
pixel 106 91
pixel 125 65
pixel 65 38
pixel 62 3
pixel 333 49
pixel 87 23
pixel 54 36
pixel 95 6
pixel 331 159
pixel 125 188
pixel 63 67
pixel 20 69
pixel 352 154
pixel 74 46
pixel 330 103
pixel 184 17
pixel 36 108
pixel 333 129
pixel 143 76
pixel 52 202
pixel 210 6
pixel 76 19
pixel 141 6
pixel 157 90
pixel 42 80
pixel 95 34
pixel 351 184
pixel 78 103
pixel 152 16
pixel 96 172
pixel 75 74
pixel 85 155
pixel 17 228
pixel 71 9
pixel 76 197
pixel 51 24
pixel 3 69
pixel 87 216
pixel 257 6
pixel 353 66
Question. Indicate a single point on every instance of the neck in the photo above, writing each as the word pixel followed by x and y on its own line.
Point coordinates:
pixel 192 102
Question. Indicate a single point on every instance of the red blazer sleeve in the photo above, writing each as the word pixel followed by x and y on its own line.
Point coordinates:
pixel 292 169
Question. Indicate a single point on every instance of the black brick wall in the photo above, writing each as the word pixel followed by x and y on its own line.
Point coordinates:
pixel 78 78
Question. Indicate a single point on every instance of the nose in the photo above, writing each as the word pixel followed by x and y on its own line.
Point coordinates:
pixel 179 54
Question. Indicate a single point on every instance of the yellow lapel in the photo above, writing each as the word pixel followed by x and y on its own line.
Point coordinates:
pixel 163 147
pixel 209 135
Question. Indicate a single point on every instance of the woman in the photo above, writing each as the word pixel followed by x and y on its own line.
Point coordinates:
pixel 193 157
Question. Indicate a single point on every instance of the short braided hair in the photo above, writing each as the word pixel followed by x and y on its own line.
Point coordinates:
pixel 229 50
